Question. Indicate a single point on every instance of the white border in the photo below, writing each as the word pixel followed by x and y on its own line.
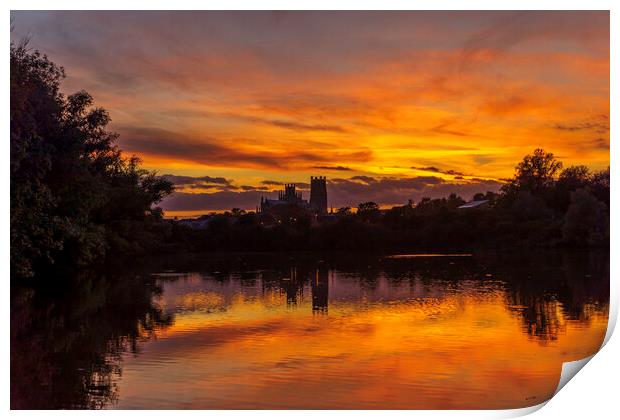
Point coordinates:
pixel 311 5
pixel 593 394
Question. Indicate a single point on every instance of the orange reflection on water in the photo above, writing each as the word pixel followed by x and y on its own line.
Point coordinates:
pixel 419 346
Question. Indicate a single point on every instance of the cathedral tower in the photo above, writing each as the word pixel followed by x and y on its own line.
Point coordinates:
pixel 318 194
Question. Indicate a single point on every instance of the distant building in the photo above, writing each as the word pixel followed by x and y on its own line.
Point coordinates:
pixel 318 194
pixel 475 204
pixel 290 197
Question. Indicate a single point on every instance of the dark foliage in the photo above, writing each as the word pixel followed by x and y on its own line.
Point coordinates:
pixel 74 198
pixel 541 206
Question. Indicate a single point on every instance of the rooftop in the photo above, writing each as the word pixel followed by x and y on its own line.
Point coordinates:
pixel 473 204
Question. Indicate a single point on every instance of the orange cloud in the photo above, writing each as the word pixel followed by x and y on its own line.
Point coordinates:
pixel 260 95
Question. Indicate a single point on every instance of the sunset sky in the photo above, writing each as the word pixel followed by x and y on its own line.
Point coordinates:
pixel 388 105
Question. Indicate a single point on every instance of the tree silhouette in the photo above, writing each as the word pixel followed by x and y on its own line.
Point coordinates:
pixel 368 211
pixel 74 197
pixel 535 172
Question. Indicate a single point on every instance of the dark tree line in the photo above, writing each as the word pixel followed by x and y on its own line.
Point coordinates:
pixel 543 205
pixel 76 200
pixel 74 197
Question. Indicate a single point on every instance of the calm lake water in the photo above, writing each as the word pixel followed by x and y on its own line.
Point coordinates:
pixel 303 331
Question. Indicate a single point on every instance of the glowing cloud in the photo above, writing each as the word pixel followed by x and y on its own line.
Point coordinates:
pixel 279 96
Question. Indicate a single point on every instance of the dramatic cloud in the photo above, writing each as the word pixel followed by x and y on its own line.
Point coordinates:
pixel 598 124
pixel 385 190
pixel 199 180
pixel 341 192
pixel 333 168
pixel 310 127
pixel 268 182
pixel 213 152
pixel 363 178
pixel 600 143
pixel 257 95
pixel 437 170
pixel 444 128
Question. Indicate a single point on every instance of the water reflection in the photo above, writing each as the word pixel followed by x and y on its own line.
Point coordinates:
pixel 320 290
pixel 267 331
pixel 67 345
